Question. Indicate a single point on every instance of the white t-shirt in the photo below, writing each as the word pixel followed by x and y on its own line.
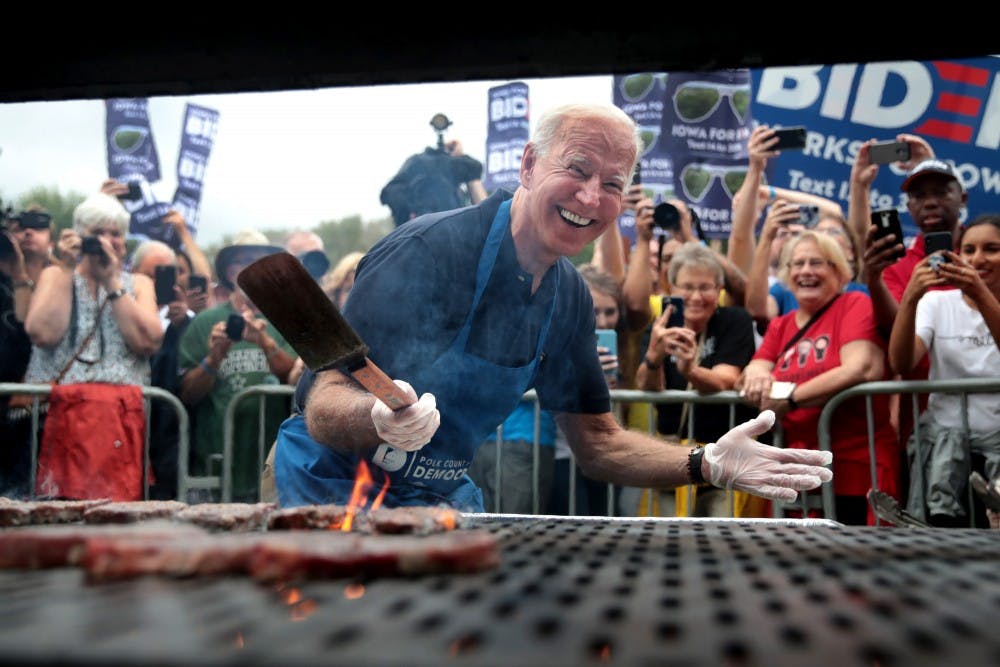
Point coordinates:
pixel 960 346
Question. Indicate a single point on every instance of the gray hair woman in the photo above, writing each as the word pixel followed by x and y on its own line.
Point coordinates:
pixel 93 327
pixel 697 344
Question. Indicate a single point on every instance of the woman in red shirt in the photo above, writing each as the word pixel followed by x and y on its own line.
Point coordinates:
pixel 795 374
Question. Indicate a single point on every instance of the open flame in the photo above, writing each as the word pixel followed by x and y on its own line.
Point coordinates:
pixel 363 484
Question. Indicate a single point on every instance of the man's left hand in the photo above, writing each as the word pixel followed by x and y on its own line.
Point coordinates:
pixel 737 461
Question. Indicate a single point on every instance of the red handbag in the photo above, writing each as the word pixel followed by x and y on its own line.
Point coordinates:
pixel 93 443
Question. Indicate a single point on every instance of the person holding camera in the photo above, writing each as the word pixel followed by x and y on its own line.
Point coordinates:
pixel 224 350
pixel 493 308
pixel 958 330
pixel 94 327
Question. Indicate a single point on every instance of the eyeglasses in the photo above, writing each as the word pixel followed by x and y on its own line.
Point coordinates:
pixel 703 289
pixel 697 100
pixel 696 179
pixel 813 263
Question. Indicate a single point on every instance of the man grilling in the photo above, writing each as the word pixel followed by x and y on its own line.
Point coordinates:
pixel 474 306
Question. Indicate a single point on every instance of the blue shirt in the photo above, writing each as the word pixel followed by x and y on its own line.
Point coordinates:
pixel 414 288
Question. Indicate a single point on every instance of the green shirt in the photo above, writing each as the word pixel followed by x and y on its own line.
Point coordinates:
pixel 244 366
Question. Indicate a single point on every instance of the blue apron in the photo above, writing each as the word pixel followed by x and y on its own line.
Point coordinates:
pixel 473 395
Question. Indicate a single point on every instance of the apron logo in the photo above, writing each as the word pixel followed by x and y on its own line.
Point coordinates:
pixel 389 458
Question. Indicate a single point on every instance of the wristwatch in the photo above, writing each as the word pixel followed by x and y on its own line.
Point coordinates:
pixel 117 294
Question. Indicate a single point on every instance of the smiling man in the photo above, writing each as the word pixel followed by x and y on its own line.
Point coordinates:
pixel 474 306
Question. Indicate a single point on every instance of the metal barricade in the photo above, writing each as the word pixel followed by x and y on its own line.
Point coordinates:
pixel 37 391
pixel 964 387
pixel 261 391
pixel 619 397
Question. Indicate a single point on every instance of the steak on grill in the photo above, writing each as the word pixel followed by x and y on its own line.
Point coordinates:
pixel 133 511
pixel 333 554
pixel 384 520
pixel 35 512
pixel 36 547
pixel 227 517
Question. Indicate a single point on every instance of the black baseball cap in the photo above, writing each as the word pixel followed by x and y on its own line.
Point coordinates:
pixel 930 166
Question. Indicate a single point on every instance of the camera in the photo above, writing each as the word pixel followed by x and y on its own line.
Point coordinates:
pixel 92 246
pixel 667 217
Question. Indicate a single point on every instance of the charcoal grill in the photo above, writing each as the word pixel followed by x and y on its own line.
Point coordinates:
pixel 569 591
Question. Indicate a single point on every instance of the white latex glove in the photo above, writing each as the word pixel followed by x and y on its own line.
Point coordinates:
pixel 737 461
pixel 411 427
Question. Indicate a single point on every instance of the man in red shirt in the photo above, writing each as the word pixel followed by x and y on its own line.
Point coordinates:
pixel 935 199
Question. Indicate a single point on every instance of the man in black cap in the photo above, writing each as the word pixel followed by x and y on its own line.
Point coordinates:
pixel 935 199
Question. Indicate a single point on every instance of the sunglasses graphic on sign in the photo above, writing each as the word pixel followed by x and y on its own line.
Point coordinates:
pixel 634 87
pixel 697 100
pixel 696 179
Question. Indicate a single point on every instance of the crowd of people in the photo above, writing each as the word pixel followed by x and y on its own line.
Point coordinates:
pixel 794 309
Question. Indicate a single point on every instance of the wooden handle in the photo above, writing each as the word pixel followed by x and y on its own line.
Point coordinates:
pixel 381 385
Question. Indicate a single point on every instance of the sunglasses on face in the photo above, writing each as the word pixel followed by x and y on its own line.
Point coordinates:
pixel 33 220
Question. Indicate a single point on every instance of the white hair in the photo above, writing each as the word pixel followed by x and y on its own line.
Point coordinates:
pixel 100 209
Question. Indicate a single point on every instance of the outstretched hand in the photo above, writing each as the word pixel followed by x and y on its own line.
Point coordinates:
pixel 738 461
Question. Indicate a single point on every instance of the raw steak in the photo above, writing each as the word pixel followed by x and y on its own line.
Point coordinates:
pixel 331 554
pixel 35 547
pixel 133 511
pixel 228 517
pixel 414 520
pixel 35 512
pixel 116 557
pixel 313 517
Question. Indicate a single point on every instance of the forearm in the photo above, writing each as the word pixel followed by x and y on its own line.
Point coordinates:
pixel 859 209
pixel 338 413
pixel 607 452
pixel 609 255
pixel 477 192
pixel 712 380
pixel 279 362
pixel 741 246
pixel 817 390
pixel 883 304
pixel 735 281
pixel 198 382
pixel 650 378
pixel 638 286
pixel 47 319
pixel 199 263
pixel 757 283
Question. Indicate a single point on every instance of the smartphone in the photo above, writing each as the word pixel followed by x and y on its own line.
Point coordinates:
pixel 134 192
pixel 887 222
pixel 808 215
pixel 608 338
pixel 885 152
pixel 234 327
pixel 198 283
pixel 935 242
pixel 790 138
pixel 676 318
pixel 164 281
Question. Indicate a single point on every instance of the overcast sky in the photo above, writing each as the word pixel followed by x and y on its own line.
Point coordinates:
pixel 281 159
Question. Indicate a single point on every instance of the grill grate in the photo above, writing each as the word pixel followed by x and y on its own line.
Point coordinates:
pixel 569 591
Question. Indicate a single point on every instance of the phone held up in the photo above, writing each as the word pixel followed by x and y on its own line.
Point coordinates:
pixel 887 222
pixel 134 192
pixel 608 338
pixel 885 152
pixel 934 244
pixel 676 318
pixel 790 138
pixel 198 283
pixel 234 327
pixel 165 277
